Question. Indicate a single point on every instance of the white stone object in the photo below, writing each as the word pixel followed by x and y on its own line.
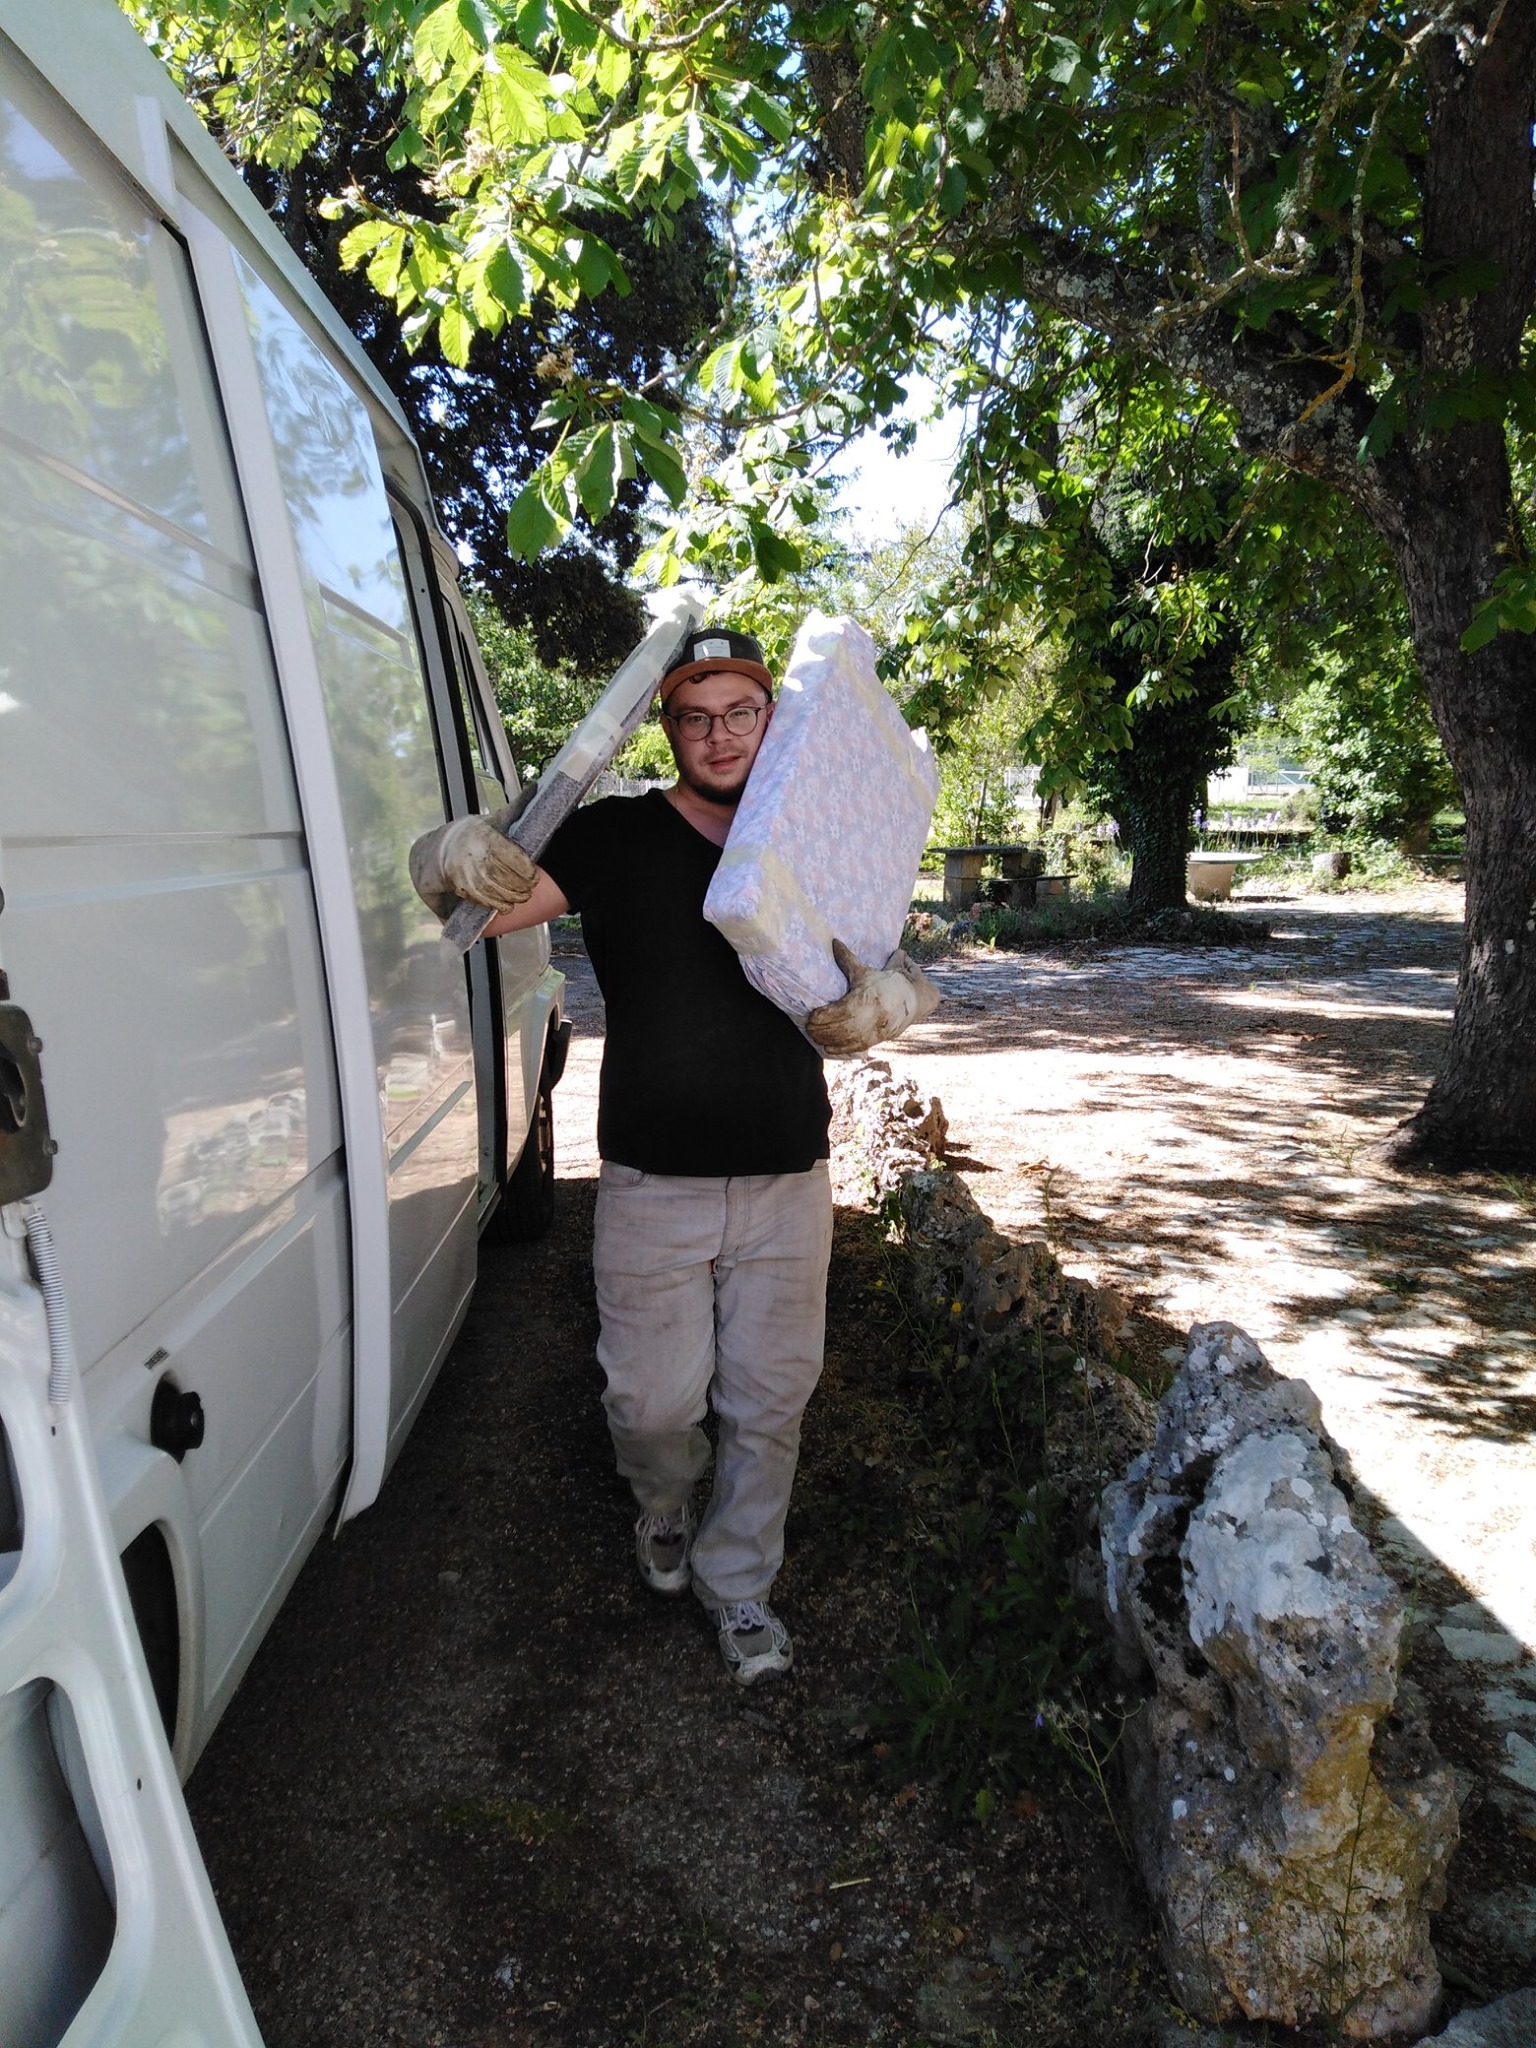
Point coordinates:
pixel 830 831
pixel 1292 1819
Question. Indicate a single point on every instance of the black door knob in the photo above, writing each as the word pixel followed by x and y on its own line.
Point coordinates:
pixel 175 1420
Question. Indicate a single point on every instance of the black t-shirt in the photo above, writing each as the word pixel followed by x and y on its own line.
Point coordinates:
pixel 701 1074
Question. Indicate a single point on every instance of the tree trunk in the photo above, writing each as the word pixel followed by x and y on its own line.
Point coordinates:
pixel 1154 784
pixel 1481 1108
pixel 1452 532
pixel 1154 824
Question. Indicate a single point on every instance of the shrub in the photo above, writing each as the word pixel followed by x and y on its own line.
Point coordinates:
pixel 1373 864
pixel 1000 925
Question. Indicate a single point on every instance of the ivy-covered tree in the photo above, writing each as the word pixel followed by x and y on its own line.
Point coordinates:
pixel 1116 522
pixel 1152 784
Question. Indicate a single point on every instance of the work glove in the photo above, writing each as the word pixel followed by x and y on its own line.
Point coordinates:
pixel 881 1002
pixel 472 859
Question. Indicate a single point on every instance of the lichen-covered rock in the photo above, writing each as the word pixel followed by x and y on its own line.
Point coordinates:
pixel 886 1121
pixel 1292 1820
pixel 1001 1292
pixel 1507 2023
pixel 1099 1422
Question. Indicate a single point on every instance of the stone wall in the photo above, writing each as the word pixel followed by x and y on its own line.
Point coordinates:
pixel 1292 1819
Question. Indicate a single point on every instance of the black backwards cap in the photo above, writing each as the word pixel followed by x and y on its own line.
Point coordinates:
pixel 716 647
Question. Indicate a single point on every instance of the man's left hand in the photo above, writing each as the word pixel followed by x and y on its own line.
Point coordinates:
pixel 881 1003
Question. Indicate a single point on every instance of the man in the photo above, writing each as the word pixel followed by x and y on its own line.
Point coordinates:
pixel 714 1211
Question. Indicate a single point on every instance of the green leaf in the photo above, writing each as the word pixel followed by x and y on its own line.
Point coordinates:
pixel 1509 608
pixel 504 277
pixel 611 72
pixel 1484 626
pixel 1065 61
pixel 367 235
pixel 487 309
pixel 579 30
pixel 721 369
pixel 424 267
pixel 531 525
pixel 649 421
pixel 432 44
pixel 758 377
pixel 386 242
pixel 455 332
pixel 551 263
pixel 954 191
pixel 514 107
pixel 406 148
pixel 662 465
pixel 775 556
pixel 290 138
pixel 534 21
pixel 1385 426
pixel 769 115
pixel 597 473
pixel 595 265
pixel 442 41
pixel 384 270
pixel 442 96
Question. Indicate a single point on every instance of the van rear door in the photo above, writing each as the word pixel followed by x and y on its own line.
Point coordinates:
pixel 109 1934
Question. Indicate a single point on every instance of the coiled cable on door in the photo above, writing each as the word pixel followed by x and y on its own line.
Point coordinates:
pixel 61 1344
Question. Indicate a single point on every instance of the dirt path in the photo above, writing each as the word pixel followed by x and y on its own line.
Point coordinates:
pixel 1190 1127
pixel 480 1788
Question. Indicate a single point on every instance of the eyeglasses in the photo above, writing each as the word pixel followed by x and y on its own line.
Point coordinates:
pixel 698 725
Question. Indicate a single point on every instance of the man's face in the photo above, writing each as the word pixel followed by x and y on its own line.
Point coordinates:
pixel 716 765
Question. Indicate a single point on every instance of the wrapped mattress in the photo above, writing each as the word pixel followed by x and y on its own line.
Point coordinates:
pixel 831 828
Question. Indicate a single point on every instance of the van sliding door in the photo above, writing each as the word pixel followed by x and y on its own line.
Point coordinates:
pixel 357 708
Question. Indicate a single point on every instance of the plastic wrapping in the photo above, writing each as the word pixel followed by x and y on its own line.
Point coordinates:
pixel 830 831
pixel 616 714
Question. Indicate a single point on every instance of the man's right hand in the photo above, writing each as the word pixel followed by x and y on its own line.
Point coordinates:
pixel 472 859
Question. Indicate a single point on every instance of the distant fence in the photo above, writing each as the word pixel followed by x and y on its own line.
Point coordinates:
pixel 1260 836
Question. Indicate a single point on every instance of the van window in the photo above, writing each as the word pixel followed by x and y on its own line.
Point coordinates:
pixel 481 748
pixel 104 375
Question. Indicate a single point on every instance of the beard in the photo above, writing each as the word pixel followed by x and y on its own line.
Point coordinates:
pixel 725 795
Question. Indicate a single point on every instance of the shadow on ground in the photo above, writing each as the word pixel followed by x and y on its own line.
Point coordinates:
pixel 481 1787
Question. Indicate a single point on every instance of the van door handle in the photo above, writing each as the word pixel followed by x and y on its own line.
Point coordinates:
pixel 176 1420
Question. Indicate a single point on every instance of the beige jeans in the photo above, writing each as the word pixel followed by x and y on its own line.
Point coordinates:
pixel 713 1291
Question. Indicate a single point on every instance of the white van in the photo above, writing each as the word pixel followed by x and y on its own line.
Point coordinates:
pixel 236 681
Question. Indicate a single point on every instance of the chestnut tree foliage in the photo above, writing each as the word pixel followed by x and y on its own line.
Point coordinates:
pixel 1313 219
pixel 309 106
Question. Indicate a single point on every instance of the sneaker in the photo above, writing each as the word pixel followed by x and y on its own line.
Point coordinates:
pixel 662 1544
pixel 753 1641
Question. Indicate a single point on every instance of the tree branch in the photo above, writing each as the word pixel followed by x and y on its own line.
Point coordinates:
pixel 1286 402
